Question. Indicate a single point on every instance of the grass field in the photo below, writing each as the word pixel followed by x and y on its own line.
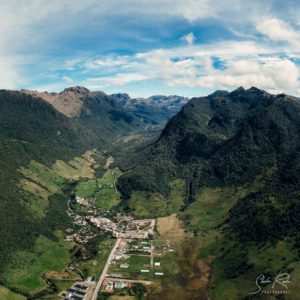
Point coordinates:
pixel 136 264
pixel 40 181
pixel 101 257
pixel 86 189
pixel 86 267
pixel 121 298
pixel 6 294
pixel 61 286
pixel 101 189
pixel 185 275
pixel 144 205
pixel 170 227
pixel 27 268
pixel 227 257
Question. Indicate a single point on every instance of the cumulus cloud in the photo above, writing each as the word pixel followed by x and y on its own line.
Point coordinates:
pixel 189 38
pixel 194 10
pixel 273 75
pixel 278 30
pixel 40 29
pixel 240 63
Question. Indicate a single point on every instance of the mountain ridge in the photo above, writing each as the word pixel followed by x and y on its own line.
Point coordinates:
pixel 204 124
pixel 71 102
pixel 238 156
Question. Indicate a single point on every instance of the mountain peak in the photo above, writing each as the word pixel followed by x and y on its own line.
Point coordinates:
pixel 252 90
pixel 219 93
pixel 239 90
pixel 69 101
pixel 77 90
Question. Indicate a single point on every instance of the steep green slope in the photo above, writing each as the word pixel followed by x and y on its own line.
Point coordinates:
pixel 239 156
pixel 224 138
pixel 36 141
pixel 29 129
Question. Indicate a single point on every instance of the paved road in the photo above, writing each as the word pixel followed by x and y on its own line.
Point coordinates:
pixel 105 269
pixel 152 254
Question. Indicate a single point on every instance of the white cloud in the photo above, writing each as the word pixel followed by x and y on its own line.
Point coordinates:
pixel 109 61
pixel 70 64
pixel 279 75
pixel 10 74
pixel 31 26
pixel 243 63
pixel 116 80
pixel 189 38
pixel 68 79
pixel 279 30
pixel 193 10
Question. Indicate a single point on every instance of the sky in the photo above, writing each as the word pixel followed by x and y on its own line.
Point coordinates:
pixel 142 47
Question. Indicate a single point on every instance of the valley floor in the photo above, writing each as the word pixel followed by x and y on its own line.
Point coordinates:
pixel 102 253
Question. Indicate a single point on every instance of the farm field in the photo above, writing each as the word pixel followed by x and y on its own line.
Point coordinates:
pixel 40 182
pixel 102 190
pixel 28 268
pixel 136 263
pixel 146 205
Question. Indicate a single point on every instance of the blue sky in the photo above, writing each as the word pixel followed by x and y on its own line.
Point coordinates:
pixel 142 47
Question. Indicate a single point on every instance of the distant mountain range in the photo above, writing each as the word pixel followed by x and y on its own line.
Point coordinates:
pixel 153 110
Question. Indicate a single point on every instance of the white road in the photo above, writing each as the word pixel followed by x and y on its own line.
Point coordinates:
pixel 104 271
pixel 152 254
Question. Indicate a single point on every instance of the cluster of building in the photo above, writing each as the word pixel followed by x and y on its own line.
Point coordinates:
pixel 109 285
pixel 79 238
pixel 124 227
pixel 84 201
pixel 143 247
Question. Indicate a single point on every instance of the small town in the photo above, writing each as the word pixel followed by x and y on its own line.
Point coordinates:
pixel 132 241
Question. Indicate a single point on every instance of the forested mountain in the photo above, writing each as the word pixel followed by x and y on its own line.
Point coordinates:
pixel 238 154
pixel 99 113
pixel 35 128
pixel 225 138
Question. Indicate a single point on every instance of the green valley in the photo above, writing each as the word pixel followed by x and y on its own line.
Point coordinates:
pixel 196 212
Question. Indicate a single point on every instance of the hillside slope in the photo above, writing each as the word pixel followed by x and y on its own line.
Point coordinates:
pixel 33 129
pixel 238 155
pixel 225 138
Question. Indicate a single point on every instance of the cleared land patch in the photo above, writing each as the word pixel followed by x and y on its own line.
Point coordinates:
pixel 170 227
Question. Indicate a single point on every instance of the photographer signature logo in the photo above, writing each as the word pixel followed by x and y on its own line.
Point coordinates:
pixel 268 285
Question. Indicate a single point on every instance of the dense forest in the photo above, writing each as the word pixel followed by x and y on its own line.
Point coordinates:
pixel 245 147
pixel 32 129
